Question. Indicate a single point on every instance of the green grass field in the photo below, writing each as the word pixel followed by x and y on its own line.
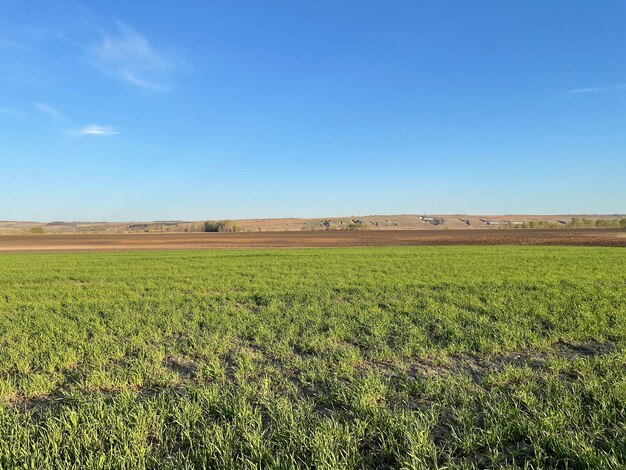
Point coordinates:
pixel 424 357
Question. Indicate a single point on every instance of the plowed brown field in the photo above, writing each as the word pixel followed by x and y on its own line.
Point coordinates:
pixel 207 241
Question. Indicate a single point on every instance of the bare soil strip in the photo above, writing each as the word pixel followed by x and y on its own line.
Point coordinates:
pixel 306 239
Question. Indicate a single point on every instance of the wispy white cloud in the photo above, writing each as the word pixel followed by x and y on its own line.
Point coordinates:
pixel 128 56
pixel 93 130
pixel 90 130
pixel 11 112
pixel 621 86
pixel 50 111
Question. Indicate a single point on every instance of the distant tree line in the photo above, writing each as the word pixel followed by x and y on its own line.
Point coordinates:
pixel 576 222
pixel 221 226
pixel 605 223
pixel 536 224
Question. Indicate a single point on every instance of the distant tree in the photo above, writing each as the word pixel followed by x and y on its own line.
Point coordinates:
pixel 210 226
pixel 193 227
pixel 589 223
pixel 229 226
pixel 37 231
pixel 360 226
pixel 607 223
pixel 221 226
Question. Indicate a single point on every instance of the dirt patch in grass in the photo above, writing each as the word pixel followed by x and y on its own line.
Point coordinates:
pixel 474 366
pixel 185 369
pixel 477 367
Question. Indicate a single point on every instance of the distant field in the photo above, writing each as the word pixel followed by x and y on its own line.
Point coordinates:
pixel 389 222
pixel 380 357
pixel 310 239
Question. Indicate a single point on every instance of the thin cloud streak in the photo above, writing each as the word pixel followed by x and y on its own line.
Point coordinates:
pixel 90 130
pixel 128 56
pixel 621 86
pixel 96 130
pixel 11 112
pixel 50 111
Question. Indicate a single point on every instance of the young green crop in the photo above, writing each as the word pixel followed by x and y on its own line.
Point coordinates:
pixel 415 357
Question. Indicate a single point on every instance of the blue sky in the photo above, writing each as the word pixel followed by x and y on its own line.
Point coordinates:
pixel 239 109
